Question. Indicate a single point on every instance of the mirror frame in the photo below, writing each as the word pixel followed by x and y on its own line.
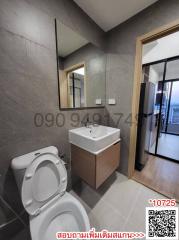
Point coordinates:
pixel 58 79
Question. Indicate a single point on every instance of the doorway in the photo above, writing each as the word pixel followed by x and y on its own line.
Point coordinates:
pixel 157 149
pixel 164 177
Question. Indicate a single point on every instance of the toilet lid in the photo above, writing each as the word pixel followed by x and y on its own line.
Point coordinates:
pixel 44 179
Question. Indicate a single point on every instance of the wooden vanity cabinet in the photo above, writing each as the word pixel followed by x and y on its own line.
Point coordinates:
pixel 95 169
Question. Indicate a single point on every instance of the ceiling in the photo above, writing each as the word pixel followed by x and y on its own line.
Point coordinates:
pixel 110 13
pixel 68 40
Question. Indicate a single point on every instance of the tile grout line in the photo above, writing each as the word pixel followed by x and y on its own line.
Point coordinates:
pixel 116 210
pixel 14 212
pixel 132 208
pixel 27 39
pixel 113 208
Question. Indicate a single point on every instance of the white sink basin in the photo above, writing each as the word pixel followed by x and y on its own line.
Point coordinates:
pixel 94 139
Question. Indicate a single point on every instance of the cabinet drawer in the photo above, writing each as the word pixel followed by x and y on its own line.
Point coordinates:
pixel 95 169
pixel 83 164
pixel 106 163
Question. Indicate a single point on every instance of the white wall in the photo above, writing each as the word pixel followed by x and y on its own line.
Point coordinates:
pixel 162 48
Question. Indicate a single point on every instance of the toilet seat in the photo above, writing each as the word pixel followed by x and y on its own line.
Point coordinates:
pixel 44 179
pixel 44 197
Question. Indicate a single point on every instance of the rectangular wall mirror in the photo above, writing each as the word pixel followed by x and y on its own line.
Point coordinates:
pixel 81 70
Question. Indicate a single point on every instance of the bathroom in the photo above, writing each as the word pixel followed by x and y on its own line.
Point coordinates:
pixel 33 118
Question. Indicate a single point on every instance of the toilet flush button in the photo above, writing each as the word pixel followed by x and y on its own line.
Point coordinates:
pixel 28 176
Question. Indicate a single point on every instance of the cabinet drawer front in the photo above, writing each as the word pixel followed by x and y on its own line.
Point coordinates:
pixel 83 164
pixel 106 163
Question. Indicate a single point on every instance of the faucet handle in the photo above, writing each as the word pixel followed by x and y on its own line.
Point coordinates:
pixel 85 122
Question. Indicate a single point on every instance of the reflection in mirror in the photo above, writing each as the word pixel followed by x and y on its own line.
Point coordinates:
pixel 76 87
pixel 81 70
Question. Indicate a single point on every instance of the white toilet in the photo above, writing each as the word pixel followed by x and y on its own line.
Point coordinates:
pixel 42 180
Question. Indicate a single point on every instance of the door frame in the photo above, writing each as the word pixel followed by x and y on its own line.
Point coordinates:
pixel 153 35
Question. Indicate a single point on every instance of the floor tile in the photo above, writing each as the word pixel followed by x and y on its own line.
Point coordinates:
pixel 103 216
pixel 122 195
pixel 87 208
pixel 119 205
pixel 87 194
pixel 137 215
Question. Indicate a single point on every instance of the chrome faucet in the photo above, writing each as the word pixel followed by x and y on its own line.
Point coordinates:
pixel 89 124
pixel 86 123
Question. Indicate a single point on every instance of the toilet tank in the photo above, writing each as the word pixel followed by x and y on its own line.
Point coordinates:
pixel 19 164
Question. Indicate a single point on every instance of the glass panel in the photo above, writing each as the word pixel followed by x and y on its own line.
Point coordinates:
pixel 172 71
pixel 76 86
pixel 173 119
pixel 165 106
pixel 154 75
pixel 77 97
pixel 168 143
pixel 87 62
pixel 168 139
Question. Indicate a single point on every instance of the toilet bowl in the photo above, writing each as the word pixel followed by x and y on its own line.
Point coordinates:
pixel 65 215
pixel 42 179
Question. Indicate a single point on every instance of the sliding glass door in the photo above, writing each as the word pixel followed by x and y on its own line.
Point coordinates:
pixel 164 131
pixel 167 142
pixel 173 110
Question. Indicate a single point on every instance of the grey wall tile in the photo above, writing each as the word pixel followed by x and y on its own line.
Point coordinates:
pixel 28 78
pixel 25 20
pixel 41 62
pixel 13 53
